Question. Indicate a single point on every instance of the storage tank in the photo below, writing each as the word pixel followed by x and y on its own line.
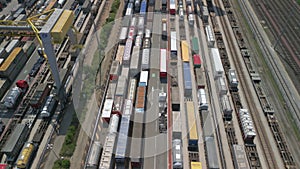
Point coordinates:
pixel 12 97
pixel 177 154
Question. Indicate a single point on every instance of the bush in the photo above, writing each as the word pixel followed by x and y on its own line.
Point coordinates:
pixel 63 164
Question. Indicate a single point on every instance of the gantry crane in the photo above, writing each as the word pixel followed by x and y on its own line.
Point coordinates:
pixel 49 28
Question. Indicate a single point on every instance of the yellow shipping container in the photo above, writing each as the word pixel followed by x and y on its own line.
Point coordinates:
pixel 191 121
pixel 196 165
pixel 6 63
pixel 62 26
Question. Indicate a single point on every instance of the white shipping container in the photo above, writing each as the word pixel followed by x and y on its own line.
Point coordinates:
pixel 113 124
pixel 210 36
pixel 127 52
pixel 173 42
pixel 143 78
pixel 145 59
pixel 132 90
pixel 123 35
pixel 218 69
pixel 203 105
pixel 222 88
pixel 107 108
pixel 14 43
pixel 128 107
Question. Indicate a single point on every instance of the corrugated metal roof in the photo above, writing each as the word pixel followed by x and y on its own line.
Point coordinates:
pixel 10 58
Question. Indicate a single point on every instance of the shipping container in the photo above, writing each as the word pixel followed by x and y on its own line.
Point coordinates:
pixel 185 51
pixel 86 7
pixel 208 128
pixel 114 71
pixel 164 33
pixel 205 14
pixel 176 125
pixel 197 61
pixel 226 108
pixel 141 24
pixel 218 69
pixel 211 153
pixel 10 47
pixel 200 78
pixel 123 143
pixel 121 86
pixel 163 63
pixel 188 2
pixel 29 47
pixel 191 19
pixel 21 17
pixel 172 7
pixel 187 79
pixel 164 6
pixel 52 4
pixel 145 59
pixel 195 46
pixel 106 111
pixel 221 86
pixel 111 90
pixel 129 9
pixel 131 32
pixel 202 103
pixel 3 53
pixel 135 62
pixel 94 157
pixel 107 159
pixel 173 45
pixel 13 64
pixel 177 154
pixel 157 7
pixel 239 157
pixel 247 126
pixel 125 71
pixel 127 52
pixel 136 154
pixel 140 99
pixel 138 41
pixel 128 107
pixel 143 78
pixel 123 35
pixel 132 90
pixel 137 5
pixel 196 165
pixel 118 105
pixel 143 9
pixel 113 124
pixel 175 98
pixel 210 36
pixel 40 95
pixel 192 127
pixel 120 53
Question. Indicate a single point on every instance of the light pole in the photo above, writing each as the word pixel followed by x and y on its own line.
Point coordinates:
pixel 50 147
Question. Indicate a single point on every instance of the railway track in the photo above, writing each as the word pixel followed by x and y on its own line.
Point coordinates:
pixel 267 150
pixel 283 20
pixel 267 108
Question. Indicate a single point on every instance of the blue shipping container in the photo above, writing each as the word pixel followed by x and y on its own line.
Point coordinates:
pixel 122 143
pixel 143 7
